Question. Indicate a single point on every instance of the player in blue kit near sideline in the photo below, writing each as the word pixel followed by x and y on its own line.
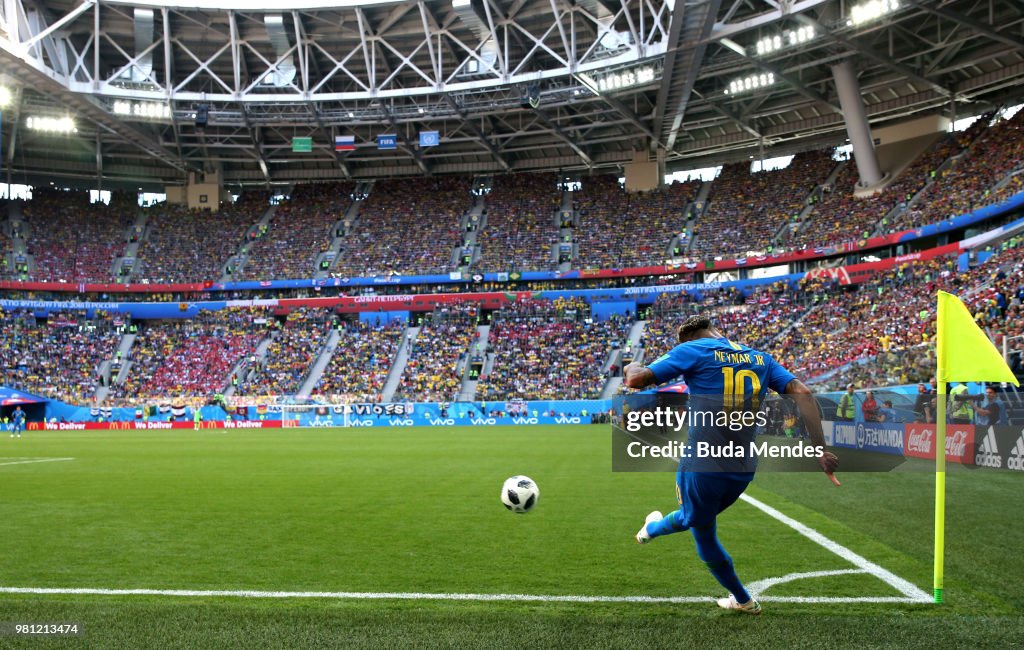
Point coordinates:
pixel 17 422
pixel 727 375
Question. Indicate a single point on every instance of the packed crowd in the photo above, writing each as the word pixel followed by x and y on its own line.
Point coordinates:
pixel 6 246
pixel 185 245
pixel 966 184
pixel 746 210
pixel 295 345
pixel 550 352
pixel 432 372
pixel 407 226
pixel 875 333
pixel 191 359
pixel 361 361
pixel 756 320
pixel 878 332
pixel 899 348
pixel 885 328
pixel 301 228
pixel 56 357
pixel 73 240
pixel 412 225
pixel 617 229
pixel 840 216
pixel 520 230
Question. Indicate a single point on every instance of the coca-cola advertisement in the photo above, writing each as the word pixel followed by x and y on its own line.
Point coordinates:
pixel 919 442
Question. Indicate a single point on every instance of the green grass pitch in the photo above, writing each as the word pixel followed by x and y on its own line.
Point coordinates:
pixel 408 510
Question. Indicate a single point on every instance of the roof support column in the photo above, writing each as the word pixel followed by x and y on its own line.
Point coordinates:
pixel 856 123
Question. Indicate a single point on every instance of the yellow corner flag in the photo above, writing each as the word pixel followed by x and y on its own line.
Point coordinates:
pixel 963 353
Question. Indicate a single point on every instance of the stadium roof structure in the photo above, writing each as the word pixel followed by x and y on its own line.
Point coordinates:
pixel 508 85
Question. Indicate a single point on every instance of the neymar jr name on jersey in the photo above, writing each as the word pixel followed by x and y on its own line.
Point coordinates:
pixel 722 356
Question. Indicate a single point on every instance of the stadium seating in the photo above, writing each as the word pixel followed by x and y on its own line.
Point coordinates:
pixel 878 332
pixel 291 354
pixel 73 240
pixel 745 210
pixel 431 372
pixel 76 241
pixel 549 350
pixel 361 362
pixel 407 226
pixel 6 246
pixel 617 229
pixel 966 184
pixel 894 310
pixel 301 229
pixel 873 333
pixel 755 320
pixel 841 217
pixel 57 357
pixel 185 245
pixel 189 360
pixel 520 228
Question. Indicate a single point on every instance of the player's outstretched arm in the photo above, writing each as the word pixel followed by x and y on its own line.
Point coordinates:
pixel 804 399
pixel 636 375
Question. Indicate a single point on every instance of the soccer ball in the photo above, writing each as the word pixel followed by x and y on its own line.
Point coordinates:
pixel 520 494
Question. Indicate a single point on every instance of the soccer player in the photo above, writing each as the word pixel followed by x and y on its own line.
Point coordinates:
pixel 197 419
pixel 715 366
pixel 18 422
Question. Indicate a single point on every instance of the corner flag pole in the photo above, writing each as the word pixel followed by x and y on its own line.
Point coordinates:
pixel 940 485
pixel 940 453
pixel 963 353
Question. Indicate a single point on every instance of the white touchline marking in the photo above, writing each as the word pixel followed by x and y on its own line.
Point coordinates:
pixel 38 460
pixel 907 588
pixel 377 595
pixel 761 586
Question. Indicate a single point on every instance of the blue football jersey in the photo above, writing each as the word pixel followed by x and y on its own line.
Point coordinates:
pixel 709 364
pixel 725 380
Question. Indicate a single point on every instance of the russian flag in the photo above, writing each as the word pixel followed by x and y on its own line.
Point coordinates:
pixel 344 143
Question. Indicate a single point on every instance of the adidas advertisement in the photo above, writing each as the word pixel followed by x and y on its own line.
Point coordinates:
pixel 1000 448
pixel 1016 459
pixel 988 451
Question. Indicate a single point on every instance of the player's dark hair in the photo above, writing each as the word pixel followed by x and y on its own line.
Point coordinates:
pixel 694 324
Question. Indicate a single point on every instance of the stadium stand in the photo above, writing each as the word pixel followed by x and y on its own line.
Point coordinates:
pixel 745 210
pixel 6 246
pixel 840 216
pixel 185 245
pixel 617 229
pixel 55 357
pixel 547 349
pixel 874 333
pixel 894 311
pixel 520 228
pixel 431 374
pixel 291 354
pixel 967 183
pixel 361 362
pixel 299 231
pixel 72 240
pixel 407 226
pixel 189 360
pixel 755 320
